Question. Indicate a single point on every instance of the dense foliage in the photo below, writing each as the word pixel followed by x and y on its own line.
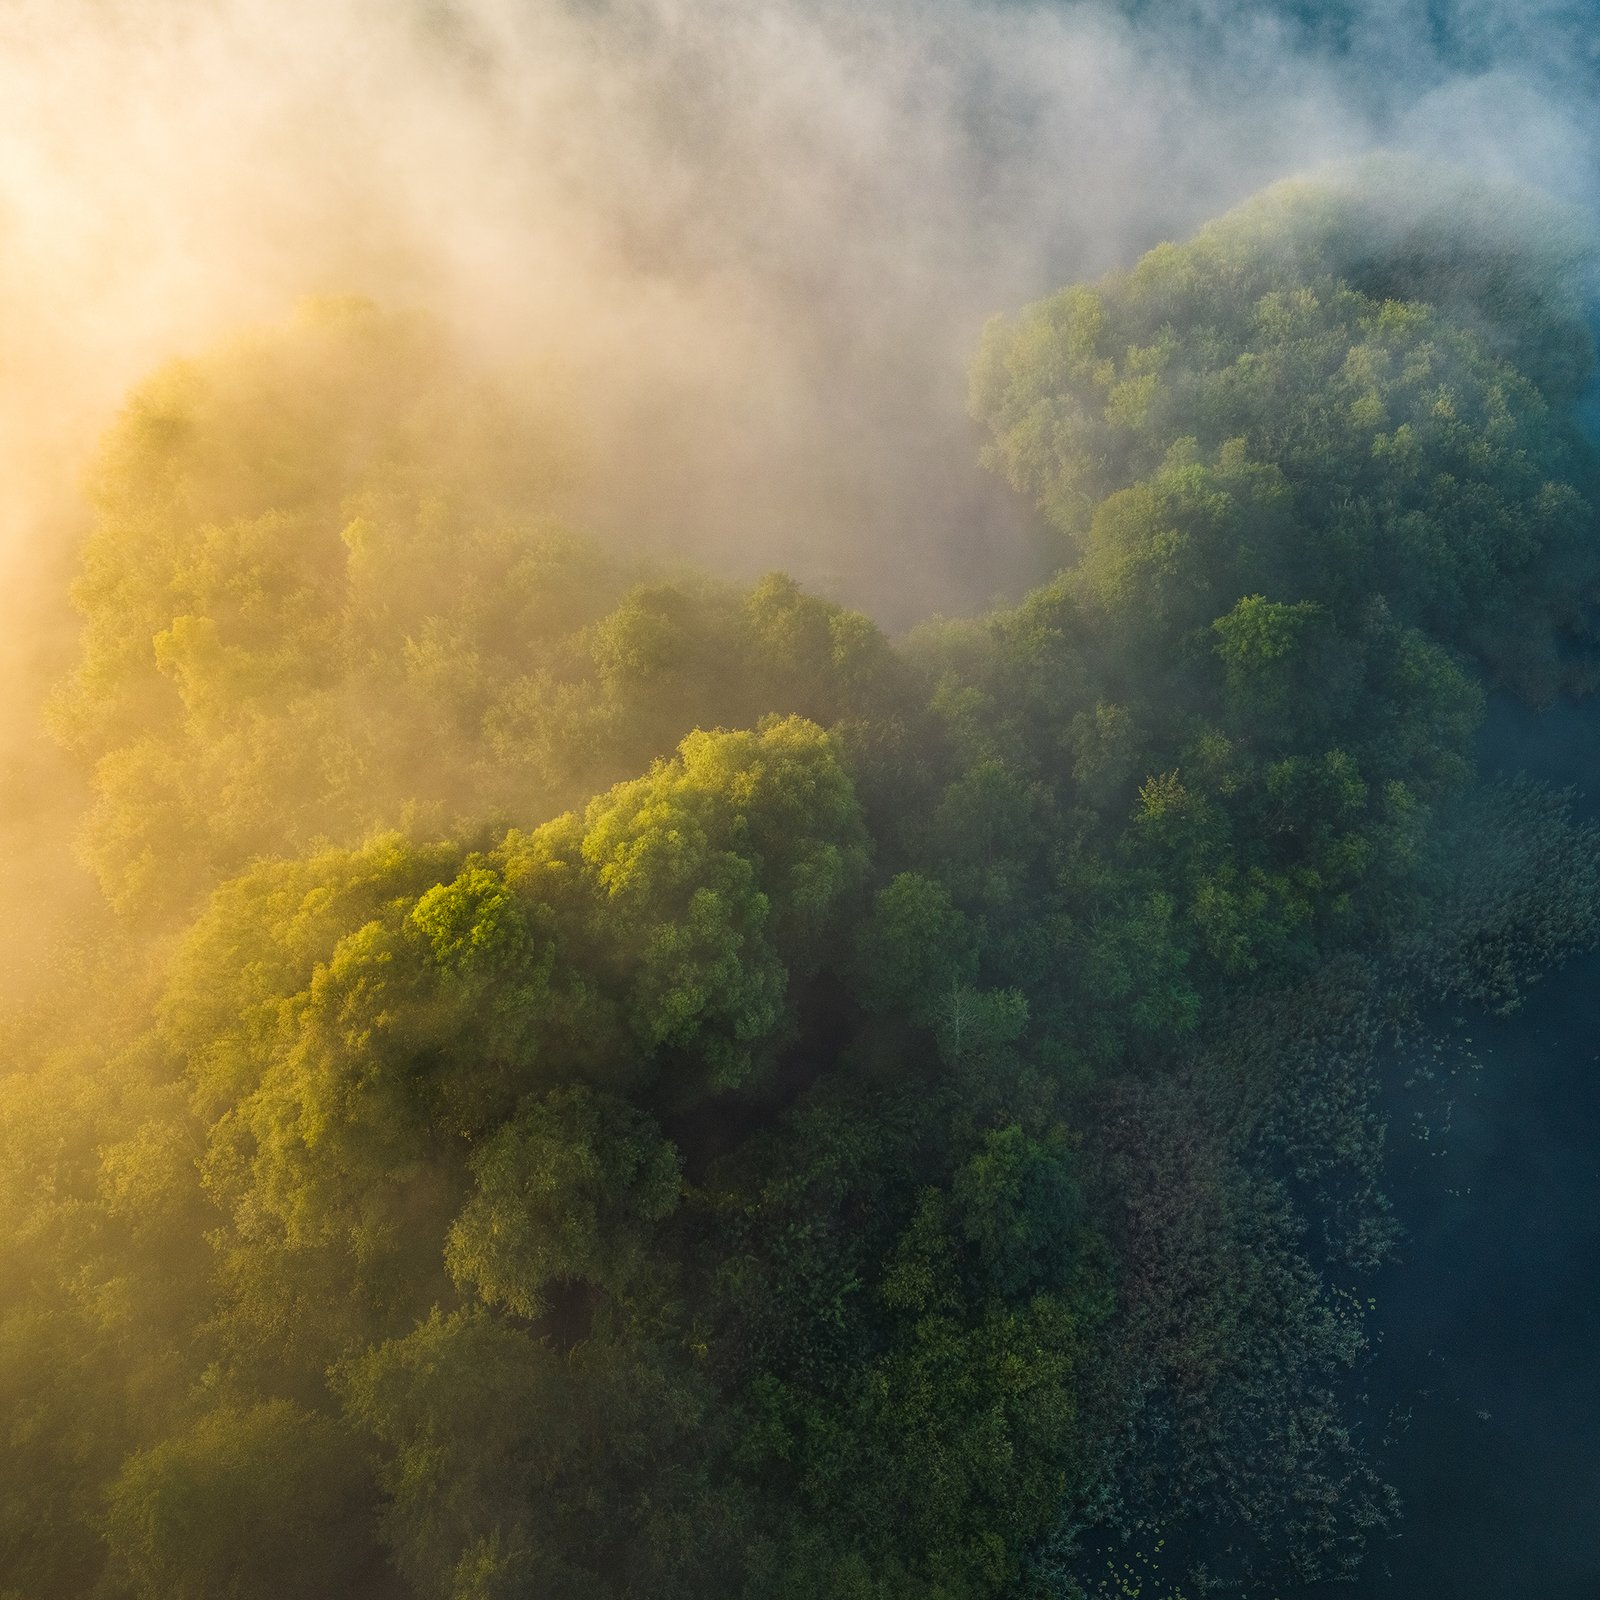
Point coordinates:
pixel 640 1087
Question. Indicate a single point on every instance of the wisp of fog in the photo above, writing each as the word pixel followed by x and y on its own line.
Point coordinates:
pixel 747 249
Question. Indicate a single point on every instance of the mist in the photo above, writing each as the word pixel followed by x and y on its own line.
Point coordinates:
pixel 741 258
pixel 750 248
pixel 752 245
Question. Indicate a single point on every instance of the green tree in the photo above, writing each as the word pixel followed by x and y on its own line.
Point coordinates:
pixel 264 1500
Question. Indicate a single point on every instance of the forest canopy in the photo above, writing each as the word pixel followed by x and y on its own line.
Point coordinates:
pixel 640 1085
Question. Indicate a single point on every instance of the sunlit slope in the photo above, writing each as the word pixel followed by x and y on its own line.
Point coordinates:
pixel 637 1086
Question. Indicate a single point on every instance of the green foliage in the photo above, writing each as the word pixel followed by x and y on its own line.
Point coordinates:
pixel 638 1087
pixel 564 1193
pixel 1016 1204
pixel 326 590
pixel 267 1500
pixel 1270 408
pixel 938 1462
pixel 916 949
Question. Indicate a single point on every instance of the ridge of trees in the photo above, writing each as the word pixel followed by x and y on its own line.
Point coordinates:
pixel 651 1088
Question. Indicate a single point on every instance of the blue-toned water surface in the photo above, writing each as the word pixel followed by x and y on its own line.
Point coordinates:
pixel 1485 1390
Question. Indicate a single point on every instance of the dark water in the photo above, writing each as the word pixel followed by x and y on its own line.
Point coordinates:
pixel 1487 1379
pixel 1487 1382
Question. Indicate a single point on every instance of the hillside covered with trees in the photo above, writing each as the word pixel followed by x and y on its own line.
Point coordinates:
pixel 607 1082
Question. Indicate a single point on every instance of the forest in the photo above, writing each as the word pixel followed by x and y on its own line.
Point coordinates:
pixel 596 1079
